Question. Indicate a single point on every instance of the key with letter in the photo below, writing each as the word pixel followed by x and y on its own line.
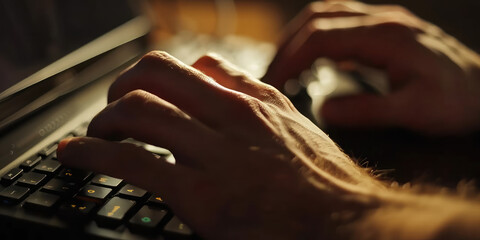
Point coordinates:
pixel 114 211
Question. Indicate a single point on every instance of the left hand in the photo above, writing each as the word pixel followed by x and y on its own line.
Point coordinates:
pixel 248 164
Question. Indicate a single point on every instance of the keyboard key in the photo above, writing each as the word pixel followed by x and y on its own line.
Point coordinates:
pixel 147 219
pixel 76 210
pixel 156 200
pixel 132 192
pixel 31 162
pixel 31 179
pixel 41 201
pixel 48 166
pixel 12 175
pixel 106 181
pixel 58 186
pixel 94 193
pixel 48 150
pixel 13 194
pixel 176 227
pixel 114 211
pixel 74 175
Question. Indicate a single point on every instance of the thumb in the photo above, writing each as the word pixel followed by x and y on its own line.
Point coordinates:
pixel 359 111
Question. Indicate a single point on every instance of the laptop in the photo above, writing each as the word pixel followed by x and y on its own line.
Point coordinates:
pixel 57 60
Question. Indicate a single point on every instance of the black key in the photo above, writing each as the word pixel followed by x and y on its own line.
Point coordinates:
pixel 48 150
pixel 74 175
pixel 114 211
pixel 76 210
pixel 31 179
pixel 58 186
pixel 94 193
pixel 13 194
pixel 12 175
pixel 47 166
pixel 176 227
pixel 31 162
pixel 106 181
pixel 132 192
pixel 147 219
pixel 41 201
pixel 156 200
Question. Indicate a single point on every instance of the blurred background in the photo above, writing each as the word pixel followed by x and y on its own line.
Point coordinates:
pixel 398 154
pixel 245 32
pixel 264 19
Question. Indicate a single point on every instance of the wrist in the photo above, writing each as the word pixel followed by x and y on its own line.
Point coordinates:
pixel 403 215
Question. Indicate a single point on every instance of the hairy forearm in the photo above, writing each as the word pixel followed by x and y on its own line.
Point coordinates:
pixel 368 209
pixel 403 215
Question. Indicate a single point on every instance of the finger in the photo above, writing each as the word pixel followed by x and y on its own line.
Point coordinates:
pixel 334 9
pixel 123 160
pixel 318 10
pixel 147 118
pixel 315 10
pixel 183 86
pixel 385 42
pixel 360 111
pixel 184 189
pixel 227 75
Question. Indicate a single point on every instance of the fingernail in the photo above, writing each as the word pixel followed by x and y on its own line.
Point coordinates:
pixel 61 146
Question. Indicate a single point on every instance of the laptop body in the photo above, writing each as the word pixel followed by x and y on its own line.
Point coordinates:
pixel 51 88
pixel 57 92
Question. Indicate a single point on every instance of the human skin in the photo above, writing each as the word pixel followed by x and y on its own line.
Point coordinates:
pixel 434 79
pixel 248 164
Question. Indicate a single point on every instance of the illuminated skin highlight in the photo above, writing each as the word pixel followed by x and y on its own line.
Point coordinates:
pixel 248 164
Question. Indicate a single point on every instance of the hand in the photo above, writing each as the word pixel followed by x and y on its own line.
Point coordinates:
pixel 434 79
pixel 248 164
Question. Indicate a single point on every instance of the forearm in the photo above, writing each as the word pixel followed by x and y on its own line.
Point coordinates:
pixel 412 216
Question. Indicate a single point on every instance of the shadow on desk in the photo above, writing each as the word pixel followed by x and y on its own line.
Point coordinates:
pixel 408 157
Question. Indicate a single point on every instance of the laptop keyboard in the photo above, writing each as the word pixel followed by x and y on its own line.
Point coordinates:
pixel 41 185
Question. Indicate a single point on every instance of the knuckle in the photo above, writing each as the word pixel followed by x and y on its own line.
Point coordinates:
pixel 143 103
pixel 245 104
pixel 274 97
pixel 209 60
pixel 312 8
pixel 133 101
pixel 238 77
pixel 154 58
pixel 316 30
pixel 401 9
pixel 271 92
pixel 322 7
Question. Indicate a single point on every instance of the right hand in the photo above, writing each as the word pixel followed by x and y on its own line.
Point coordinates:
pixel 434 79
